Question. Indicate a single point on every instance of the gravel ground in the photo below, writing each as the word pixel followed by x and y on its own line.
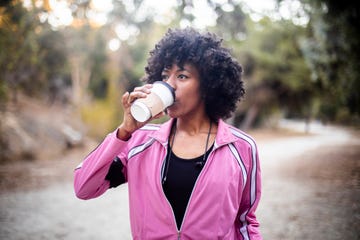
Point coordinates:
pixel 311 190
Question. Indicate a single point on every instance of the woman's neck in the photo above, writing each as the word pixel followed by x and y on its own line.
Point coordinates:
pixel 193 126
pixel 190 139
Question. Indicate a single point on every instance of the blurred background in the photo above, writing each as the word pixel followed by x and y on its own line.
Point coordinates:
pixel 64 65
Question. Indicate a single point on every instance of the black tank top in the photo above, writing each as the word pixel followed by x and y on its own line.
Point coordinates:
pixel 181 178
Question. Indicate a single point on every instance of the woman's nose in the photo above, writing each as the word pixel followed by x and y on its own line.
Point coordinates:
pixel 171 81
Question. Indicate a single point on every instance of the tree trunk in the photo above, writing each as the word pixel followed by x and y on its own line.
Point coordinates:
pixel 250 117
pixel 80 76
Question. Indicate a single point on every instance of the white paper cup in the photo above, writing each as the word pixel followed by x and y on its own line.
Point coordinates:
pixel 162 96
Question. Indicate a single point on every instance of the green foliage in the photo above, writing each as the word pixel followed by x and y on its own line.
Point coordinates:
pixel 332 50
pixel 275 72
pixel 17 58
pixel 231 26
pixel 299 71
pixel 32 56
pixel 103 115
pixel 99 117
pixel 98 77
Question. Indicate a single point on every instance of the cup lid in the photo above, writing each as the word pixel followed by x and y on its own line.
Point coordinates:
pixel 165 92
pixel 140 111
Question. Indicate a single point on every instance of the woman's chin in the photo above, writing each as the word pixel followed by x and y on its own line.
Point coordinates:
pixel 171 113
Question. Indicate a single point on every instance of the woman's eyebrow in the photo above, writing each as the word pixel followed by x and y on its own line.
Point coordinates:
pixel 185 69
pixel 179 69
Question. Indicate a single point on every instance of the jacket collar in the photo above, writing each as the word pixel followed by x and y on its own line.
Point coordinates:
pixel 163 133
pixel 223 136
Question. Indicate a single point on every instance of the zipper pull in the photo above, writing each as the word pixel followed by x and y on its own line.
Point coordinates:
pixel 179 235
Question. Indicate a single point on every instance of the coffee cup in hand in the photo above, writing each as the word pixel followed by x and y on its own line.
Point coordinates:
pixel 162 96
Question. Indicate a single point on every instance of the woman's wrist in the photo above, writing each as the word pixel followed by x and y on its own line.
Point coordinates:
pixel 123 134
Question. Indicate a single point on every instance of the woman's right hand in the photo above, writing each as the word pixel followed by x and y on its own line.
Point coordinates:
pixel 129 124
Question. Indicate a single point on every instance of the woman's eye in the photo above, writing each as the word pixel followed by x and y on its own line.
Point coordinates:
pixel 182 76
pixel 164 77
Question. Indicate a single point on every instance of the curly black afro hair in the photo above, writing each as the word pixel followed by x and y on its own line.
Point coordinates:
pixel 220 74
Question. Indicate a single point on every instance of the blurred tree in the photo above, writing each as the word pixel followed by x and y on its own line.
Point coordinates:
pixel 80 39
pixel 18 62
pixel 135 27
pixel 32 58
pixel 98 82
pixel 53 66
pixel 279 79
pixel 231 22
pixel 332 50
pixel 41 58
pixel 276 76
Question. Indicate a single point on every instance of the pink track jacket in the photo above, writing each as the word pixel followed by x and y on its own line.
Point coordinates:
pixel 221 206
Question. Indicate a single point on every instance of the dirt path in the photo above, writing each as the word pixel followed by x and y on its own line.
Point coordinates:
pixel 311 189
pixel 311 186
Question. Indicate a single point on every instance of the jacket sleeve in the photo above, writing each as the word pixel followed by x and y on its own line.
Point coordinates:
pixel 103 168
pixel 248 224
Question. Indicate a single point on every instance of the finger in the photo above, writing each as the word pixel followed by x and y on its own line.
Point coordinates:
pixel 145 88
pixel 135 95
pixel 125 98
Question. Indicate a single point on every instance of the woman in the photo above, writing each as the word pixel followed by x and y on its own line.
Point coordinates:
pixel 193 177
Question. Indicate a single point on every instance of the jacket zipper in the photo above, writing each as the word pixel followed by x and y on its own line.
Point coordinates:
pixel 187 206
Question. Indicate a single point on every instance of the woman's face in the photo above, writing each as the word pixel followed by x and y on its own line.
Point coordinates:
pixel 186 82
